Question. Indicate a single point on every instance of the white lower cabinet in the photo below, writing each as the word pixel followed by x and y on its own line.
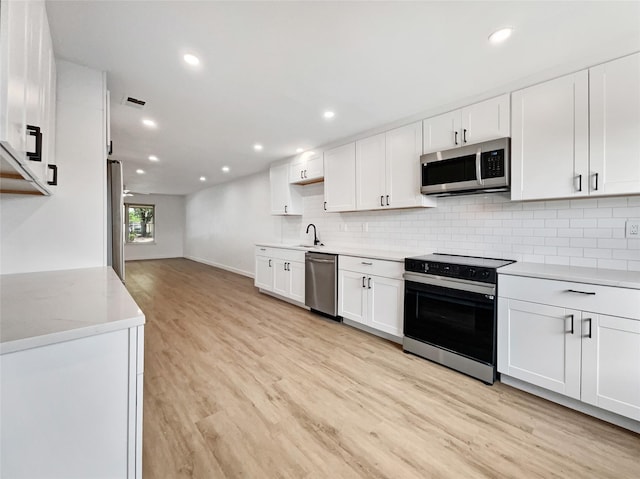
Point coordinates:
pixel 74 408
pixel 371 293
pixel 570 345
pixel 280 271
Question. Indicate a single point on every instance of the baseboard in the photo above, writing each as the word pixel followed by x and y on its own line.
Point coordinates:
pixel 571 403
pixel 221 266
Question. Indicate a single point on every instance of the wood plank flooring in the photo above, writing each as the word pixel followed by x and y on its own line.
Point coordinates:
pixel 240 385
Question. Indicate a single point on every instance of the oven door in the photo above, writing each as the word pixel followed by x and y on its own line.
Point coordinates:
pixel 451 314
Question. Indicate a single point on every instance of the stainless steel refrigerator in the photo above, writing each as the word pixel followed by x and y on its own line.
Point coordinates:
pixel 115 218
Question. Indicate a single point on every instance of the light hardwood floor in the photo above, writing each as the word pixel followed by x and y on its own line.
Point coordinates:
pixel 241 385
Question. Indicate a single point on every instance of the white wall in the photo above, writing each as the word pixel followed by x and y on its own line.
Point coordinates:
pixel 224 222
pixel 68 229
pixel 169 228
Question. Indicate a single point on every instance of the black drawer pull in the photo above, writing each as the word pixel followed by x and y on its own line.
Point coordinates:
pixel 589 293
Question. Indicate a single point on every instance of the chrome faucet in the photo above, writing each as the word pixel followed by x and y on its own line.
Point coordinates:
pixel 316 241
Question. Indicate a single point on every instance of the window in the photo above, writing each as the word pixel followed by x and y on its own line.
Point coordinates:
pixel 140 223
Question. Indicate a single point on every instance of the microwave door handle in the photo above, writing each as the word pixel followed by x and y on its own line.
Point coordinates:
pixel 478 166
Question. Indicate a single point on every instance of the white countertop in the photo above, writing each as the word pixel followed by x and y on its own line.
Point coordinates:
pixel 388 255
pixel 38 309
pixel 604 277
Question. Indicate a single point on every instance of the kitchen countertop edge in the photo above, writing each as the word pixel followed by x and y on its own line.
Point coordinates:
pixel 577 274
pixel 397 256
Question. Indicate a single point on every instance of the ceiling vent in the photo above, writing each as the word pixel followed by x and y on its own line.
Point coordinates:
pixel 134 102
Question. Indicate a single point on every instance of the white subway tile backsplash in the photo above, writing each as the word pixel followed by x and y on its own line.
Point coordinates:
pixel 580 232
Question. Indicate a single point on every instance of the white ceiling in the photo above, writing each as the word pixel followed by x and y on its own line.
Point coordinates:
pixel 270 69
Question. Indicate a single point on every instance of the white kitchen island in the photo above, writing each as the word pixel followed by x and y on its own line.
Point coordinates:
pixel 71 370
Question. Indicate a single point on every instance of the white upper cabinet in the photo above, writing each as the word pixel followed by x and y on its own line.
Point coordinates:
pixel 307 168
pixel 578 135
pixel 27 98
pixel 479 122
pixel 388 170
pixel 371 173
pixel 340 178
pixel 403 148
pixel 550 139
pixel 614 113
pixel 285 198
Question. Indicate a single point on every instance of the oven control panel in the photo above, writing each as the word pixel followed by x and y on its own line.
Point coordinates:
pixel 472 273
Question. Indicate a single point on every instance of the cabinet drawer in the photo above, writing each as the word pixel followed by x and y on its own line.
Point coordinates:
pixel 280 253
pixel 622 302
pixel 378 267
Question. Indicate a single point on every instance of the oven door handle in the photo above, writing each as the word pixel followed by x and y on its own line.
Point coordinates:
pixel 458 284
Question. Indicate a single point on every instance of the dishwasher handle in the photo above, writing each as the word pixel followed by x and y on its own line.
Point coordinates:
pixel 316 260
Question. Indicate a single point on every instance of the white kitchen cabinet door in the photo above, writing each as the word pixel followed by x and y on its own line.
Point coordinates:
pixel 370 173
pixel 611 363
pixel 314 167
pixel 487 120
pixel 281 277
pixel 66 409
pixel 550 139
pixel 385 304
pixel 285 198
pixel 614 109
pixel 340 178
pixel 296 170
pixel 264 273
pixel 536 343
pixel 441 132
pixel 404 146
pixel 352 296
pixel 13 58
pixel 296 280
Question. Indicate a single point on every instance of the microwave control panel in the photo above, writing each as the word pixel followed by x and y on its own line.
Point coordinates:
pixel 492 164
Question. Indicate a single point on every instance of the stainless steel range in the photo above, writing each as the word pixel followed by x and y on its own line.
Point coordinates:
pixel 450 312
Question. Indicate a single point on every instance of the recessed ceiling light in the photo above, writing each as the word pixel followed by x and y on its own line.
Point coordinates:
pixel 328 114
pixel 149 123
pixel 153 158
pixel 140 172
pixel 501 35
pixel 299 150
pixel 257 147
pixel 202 178
pixel 191 59
pixel 225 169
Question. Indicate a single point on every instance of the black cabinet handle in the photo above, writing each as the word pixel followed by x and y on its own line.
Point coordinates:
pixel 300 174
pixel 269 263
pixel 579 182
pixel 387 200
pixel 110 147
pixel 596 187
pixel 381 200
pixel 364 278
pixel 369 283
pixel 285 208
pixel 53 182
pixel 464 135
pixel 305 173
pixel 35 131
pixel 589 335
pixel 456 137
pixel 571 316
pixel 590 293
pixel 325 206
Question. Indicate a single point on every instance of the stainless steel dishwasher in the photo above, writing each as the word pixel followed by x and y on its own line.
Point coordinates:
pixel 321 283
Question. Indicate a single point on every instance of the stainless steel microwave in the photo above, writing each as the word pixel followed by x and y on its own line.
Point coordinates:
pixel 483 167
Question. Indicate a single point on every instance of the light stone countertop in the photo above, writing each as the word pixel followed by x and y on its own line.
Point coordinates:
pixel 388 255
pixel 577 274
pixel 44 308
